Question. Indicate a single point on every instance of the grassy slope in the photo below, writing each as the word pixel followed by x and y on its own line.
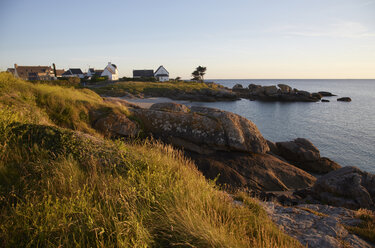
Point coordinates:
pixel 60 187
pixel 153 88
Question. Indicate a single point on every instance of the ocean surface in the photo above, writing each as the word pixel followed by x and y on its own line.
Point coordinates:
pixel 342 131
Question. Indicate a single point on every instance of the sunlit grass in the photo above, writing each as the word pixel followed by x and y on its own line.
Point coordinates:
pixel 154 88
pixel 62 188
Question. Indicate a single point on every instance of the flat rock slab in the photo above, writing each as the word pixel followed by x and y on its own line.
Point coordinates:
pixel 317 225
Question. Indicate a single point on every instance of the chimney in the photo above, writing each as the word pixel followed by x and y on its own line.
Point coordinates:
pixel 109 63
pixel 15 66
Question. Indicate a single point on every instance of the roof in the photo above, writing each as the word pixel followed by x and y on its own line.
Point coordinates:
pixel 98 72
pixel 75 71
pixel 60 72
pixel 114 66
pixel 11 70
pixel 67 73
pixel 160 68
pixel 24 71
pixel 143 73
pixel 92 70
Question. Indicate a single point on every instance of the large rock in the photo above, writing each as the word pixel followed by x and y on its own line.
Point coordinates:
pixel 258 172
pixel 203 129
pixel 170 106
pixel 326 93
pixel 113 123
pixel 317 226
pixel 285 89
pixel 300 150
pixel 344 99
pixel 302 153
pixel 347 187
pixel 270 90
pixel 238 87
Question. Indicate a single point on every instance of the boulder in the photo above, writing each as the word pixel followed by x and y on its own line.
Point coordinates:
pixel 285 89
pixel 270 90
pixel 303 154
pixel 238 87
pixel 325 100
pixel 170 106
pixel 321 166
pixel 303 93
pixel 300 150
pixel 344 99
pixel 258 172
pixel 113 124
pixel 326 93
pixel 203 129
pixel 347 187
pixel 316 95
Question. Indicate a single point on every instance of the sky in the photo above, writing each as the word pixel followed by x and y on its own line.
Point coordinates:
pixel 236 39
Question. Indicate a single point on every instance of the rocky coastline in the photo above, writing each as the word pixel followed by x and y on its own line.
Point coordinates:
pixel 281 93
pixel 230 149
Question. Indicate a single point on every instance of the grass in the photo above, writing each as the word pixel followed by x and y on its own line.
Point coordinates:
pixel 63 188
pixel 44 103
pixel 154 88
pixel 366 229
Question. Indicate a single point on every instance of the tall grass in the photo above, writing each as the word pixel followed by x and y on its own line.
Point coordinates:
pixel 61 188
pixel 62 106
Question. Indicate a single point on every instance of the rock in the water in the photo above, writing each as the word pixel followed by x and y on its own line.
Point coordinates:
pixel 347 187
pixel 344 99
pixel 316 226
pixel 316 95
pixel 270 90
pixel 258 172
pixel 326 93
pixel 170 106
pixel 285 89
pixel 237 87
pixel 203 129
pixel 325 100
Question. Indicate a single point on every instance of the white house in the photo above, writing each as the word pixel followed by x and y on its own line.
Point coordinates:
pixel 161 74
pixel 111 72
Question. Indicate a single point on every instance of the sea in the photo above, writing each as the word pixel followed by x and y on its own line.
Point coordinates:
pixel 342 131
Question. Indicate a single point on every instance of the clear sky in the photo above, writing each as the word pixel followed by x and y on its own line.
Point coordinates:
pixel 233 39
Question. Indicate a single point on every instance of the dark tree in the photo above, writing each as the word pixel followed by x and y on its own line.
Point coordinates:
pixel 198 74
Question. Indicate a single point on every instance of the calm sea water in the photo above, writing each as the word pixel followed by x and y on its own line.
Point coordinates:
pixel 344 132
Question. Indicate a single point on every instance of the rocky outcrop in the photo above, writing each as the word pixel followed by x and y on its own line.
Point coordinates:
pixel 113 123
pixel 258 172
pixel 325 100
pixel 326 93
pixel 170 106
pixel 347 187
pixel 302 153
pixel 281 92
pixel 344 99
pixel 202 130
pixel 317 226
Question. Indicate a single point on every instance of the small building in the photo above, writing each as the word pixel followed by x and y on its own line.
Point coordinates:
pixel 32 72
pixel 90 72
pixel 59 73
pixel 73 72
pixel 143 73
pixel 111 72
pixel 161 74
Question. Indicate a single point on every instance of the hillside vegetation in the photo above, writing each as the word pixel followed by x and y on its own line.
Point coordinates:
pixel 155 88
pixel 64 185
